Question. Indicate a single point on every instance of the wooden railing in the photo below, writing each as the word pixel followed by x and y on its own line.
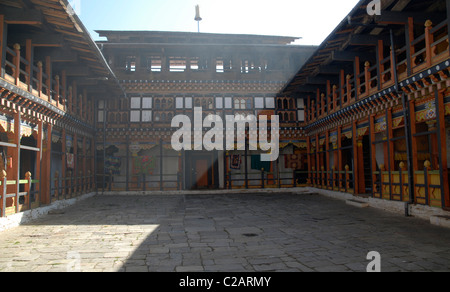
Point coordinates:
pixel 36 79
pixel 71 186
pixel 428 49
pixel 332 180
pixel 11 203
pixel 394 185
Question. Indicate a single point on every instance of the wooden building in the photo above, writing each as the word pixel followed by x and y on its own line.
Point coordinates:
pixel 378 104
pixel 51 73
pixel 367 112
pixel 170 73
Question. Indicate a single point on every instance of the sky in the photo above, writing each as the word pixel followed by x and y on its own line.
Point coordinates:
pixel 312 20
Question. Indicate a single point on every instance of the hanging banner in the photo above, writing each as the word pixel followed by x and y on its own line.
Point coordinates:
pixel 235 162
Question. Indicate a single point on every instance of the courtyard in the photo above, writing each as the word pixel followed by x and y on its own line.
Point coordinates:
pixel 202 232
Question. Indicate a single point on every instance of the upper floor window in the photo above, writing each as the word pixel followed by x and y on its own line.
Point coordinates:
pixel 130 64
pixel 154 64
pixel 177 64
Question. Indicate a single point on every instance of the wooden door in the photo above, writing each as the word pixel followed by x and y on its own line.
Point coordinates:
pixel 201 173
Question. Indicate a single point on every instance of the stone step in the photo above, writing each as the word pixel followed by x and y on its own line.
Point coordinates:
pixel 357 204
pixel 442 221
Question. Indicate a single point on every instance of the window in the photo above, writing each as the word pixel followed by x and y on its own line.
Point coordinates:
pixel 301 109
pixel 270 102
pixel 228 102
pixel 188 102
pixel 135 103
pixel 219 102
pixel 259 102
pixel 219 66
pixel 146 116
pixel 154 64
pixel 101 108
pixel 179 103
pixel 147 103
pixel 135 116
pixel 130 64
pixel 177 64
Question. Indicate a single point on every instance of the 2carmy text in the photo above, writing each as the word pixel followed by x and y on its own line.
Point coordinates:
pixel 225 282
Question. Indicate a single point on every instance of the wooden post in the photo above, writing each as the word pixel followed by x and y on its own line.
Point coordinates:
pixel 16 62
pixel 27 189
pixel 373 150
pixel 349 88
pixel 334 98
pixel 367 76
pixel 3 32
pixel 340 168
pixel 16 156
pixel 415 161
pixel 428 41
pixel 48 71
pixel 57 87
pixel 444 148
pixel 357 80
pixel 39 77
pixel 29 66
pixel 327 157
pixel 308 150
pixel 38 160
pixel 64 176
pixel 45 178
pixel 356 160
pixel 3 192
pixel 380 57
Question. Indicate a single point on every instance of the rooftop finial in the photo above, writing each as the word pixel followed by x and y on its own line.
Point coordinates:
pixel 197 16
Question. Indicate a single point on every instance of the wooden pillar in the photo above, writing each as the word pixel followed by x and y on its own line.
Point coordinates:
pixel 65 184
pixel 48 71
pixel 342 87
pixel 329 96
pixel 16 63
pixel 308 150
pixel 64 88
pixel 57 88
pixel 16 156
pixel 84 180
pixel 317 167
pixel 367 76
pixel 327 157
pixel 73 101
pixel 373 150
pixel 357 69
pixel 409 41
pixel 40 73
pixel 444 148
pixel 356 160
pixel 335 97
pixel 339 142
pixel 39 157
pixel 29 66
pixel 3 33
pixel 390 149
pixel 75 162
pixel 84 105
pixel 428 41
pixel 308 110
pixel 380 57
pixel 46 164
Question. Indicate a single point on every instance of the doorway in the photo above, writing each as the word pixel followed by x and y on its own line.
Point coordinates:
pixel 201 170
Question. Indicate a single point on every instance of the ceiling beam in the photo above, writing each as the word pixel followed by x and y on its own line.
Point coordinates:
pixel 20 16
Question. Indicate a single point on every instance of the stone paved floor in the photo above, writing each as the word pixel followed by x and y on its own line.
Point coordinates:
pixel 260 232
